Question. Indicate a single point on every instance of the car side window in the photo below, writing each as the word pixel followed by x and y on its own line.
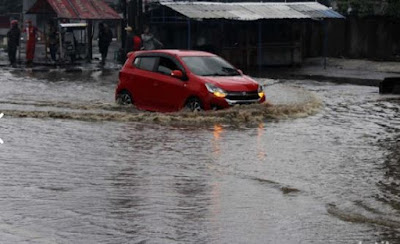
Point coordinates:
pixel 136 62
pixel 166 66
pixel 145 63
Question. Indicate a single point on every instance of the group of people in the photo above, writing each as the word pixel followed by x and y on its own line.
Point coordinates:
pixel 146 41
pixel 134 42
pixel 14 36
pixel 13 39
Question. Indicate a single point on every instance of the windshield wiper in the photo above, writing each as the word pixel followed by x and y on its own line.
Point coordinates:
pixel 215 74
pixel 230 71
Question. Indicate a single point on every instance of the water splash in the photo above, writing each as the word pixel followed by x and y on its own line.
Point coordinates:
pixel 251 114
pixel 285 101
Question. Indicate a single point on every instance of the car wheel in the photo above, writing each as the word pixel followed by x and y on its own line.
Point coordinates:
pixel 194 105
pixel 124 98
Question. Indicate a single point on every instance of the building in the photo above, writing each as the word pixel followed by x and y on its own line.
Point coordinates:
pixel 246 34
pixel 88 11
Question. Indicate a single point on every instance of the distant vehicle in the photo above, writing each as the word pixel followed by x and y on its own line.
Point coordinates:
pixel 171 80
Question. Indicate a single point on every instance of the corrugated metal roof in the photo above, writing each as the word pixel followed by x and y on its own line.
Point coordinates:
pixel 75 9
pixel 252 11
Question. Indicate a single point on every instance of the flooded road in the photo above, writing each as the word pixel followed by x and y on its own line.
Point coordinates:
pixel 322 165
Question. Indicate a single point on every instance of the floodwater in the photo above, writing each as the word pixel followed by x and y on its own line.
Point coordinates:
pixel 319 165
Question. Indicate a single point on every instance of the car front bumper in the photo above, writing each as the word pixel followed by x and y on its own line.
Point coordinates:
pixel 220 103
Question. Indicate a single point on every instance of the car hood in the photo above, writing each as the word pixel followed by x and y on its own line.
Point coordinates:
pixel 232 83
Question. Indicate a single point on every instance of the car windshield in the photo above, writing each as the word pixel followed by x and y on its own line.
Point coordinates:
pixel 209 66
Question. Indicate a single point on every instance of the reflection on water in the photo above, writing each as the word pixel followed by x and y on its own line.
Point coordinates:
pixel 319 166
pixel 260 146
pixel 390 183
pixel 217 136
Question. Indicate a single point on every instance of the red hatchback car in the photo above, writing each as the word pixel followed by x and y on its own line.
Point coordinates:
pixel 170 80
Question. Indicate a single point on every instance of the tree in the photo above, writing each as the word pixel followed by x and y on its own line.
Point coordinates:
pixel 369 7
pixel 393 8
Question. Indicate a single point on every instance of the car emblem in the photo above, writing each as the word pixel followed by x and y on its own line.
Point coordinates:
pixel 244 93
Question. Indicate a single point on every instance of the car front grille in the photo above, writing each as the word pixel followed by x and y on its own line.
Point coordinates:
pixel 242 96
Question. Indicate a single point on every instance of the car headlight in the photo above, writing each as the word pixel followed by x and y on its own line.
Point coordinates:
pixel 218 92
pixel 261 91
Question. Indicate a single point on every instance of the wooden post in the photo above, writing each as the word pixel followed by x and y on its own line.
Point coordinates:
pixel 259 46
pixel 325 41
pixel 123 24
pixel 90 38
pixel 189 37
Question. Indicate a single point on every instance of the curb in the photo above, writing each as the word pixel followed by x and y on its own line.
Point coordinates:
pixel 56 69
pixel 73 70
pixel 324 78
pixel 282 74
pixel 340 80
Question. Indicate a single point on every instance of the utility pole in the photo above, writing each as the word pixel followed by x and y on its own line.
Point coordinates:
pixel 135 15
pixel 90 39
pixel 132 12
pixel 123 7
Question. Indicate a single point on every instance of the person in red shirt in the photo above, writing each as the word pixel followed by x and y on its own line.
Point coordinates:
pixel 137 43
pixel 31 32
pixel 133 41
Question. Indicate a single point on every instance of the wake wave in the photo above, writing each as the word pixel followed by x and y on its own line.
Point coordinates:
pixel 289 102
pixel 236 115
pixel 369 217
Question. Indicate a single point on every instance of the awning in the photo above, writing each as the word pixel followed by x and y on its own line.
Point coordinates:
pixel 74 25
pixel 74 9
pixel 247 11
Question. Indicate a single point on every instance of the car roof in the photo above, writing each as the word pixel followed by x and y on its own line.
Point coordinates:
pixel 178 53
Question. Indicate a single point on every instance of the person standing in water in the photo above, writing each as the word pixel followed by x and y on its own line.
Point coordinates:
pixel 13 37
pixel 52 40
pixel 31 34
pixel 105 38
pixel 133 42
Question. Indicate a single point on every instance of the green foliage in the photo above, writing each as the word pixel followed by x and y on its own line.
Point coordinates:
pixel 393 8
pixel 358 7
pixel 370 7
pixel 7 6
pixel 115 6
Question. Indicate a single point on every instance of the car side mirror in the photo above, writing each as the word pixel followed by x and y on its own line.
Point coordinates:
pixel 240 71
pixel 177 74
